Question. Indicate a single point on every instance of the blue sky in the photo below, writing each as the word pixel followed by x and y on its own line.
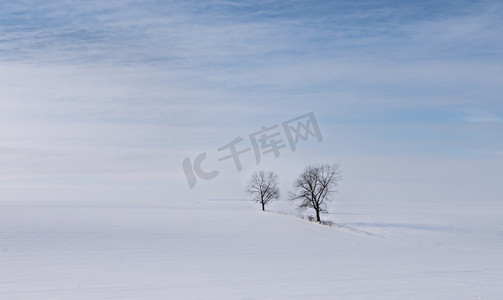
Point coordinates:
pixel 105 100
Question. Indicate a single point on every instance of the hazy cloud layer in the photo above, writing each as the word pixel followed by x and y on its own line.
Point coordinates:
pixel 122 91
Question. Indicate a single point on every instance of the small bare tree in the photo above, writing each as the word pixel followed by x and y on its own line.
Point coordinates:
pixel 263 186
pixel 315 185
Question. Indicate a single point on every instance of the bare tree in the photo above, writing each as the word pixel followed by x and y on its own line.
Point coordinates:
pixel 263 186
pixel 315 186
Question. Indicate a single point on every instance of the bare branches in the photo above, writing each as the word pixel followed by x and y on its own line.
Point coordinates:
pixel 315 186
pixel 263 186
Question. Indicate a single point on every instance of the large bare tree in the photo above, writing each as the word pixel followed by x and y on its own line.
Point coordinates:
pixel 263 186
pixel 315 186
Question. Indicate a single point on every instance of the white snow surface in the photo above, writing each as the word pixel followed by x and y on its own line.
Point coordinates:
pixel 229 249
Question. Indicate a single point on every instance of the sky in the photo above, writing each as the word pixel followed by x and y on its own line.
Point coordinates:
pixel 105 100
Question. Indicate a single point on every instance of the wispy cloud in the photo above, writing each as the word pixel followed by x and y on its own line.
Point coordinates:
pixel 129 87
pixel 482 116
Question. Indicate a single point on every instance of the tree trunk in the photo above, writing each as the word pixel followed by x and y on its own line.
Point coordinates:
pixel 318 216
pixel 263 206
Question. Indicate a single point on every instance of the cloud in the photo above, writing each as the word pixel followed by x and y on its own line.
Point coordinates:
pixel 130 88
pixel 482 116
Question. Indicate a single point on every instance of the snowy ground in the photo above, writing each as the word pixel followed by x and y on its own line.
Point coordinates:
pixel 231 250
